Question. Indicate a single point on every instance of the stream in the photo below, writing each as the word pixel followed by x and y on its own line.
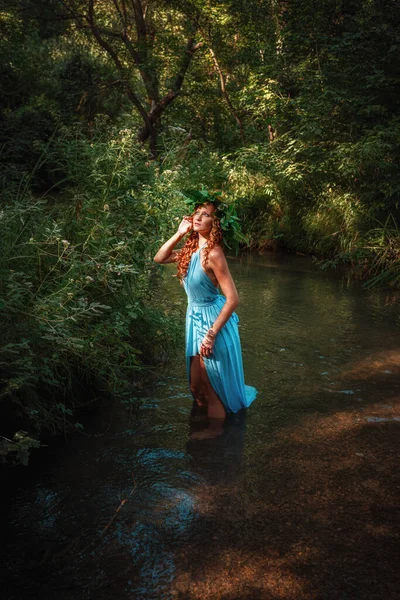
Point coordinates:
pixel 295 500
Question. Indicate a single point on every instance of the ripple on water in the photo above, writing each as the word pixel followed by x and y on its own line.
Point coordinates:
pixel 164 522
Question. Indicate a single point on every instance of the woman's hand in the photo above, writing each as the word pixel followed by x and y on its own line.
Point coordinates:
pixel 166 253
pixel 185 225
pixel 207 344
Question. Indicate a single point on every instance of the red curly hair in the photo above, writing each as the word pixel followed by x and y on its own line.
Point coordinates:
pixel 192 244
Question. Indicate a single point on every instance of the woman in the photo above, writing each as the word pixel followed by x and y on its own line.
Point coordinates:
pixel 213 352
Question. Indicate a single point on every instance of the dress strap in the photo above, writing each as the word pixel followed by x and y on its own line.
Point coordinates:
pixel 201 247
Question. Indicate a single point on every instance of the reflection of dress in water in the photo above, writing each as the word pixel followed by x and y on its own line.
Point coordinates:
pixel 216 459
pixel 224 367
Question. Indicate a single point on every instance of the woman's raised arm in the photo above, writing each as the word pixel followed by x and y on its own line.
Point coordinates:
pixel 166 253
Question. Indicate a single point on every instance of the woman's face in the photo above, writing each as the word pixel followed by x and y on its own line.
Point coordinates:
pixel 203 218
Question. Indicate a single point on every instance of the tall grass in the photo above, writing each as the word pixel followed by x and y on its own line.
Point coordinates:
pixel 77 279
pixel 374 256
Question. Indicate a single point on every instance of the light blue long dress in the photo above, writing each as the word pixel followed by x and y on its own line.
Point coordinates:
pixel 225 366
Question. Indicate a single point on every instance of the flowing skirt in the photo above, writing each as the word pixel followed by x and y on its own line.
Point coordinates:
pixel 225 366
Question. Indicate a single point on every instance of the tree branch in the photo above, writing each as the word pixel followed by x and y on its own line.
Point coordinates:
pixel 162 104
pixel 190 49
pixel 140 22
pixel 122 17
pixel 226 95
pixel 110 50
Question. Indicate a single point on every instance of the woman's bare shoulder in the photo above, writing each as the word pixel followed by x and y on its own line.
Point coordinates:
pixel 216 252
pixel 217 255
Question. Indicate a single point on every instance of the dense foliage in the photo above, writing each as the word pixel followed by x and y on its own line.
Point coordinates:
pixel 108 108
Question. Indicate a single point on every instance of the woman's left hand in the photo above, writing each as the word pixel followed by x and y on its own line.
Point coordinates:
pixel 207 346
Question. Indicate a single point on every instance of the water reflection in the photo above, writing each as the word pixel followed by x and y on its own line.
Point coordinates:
pixel 216 458
pixel 151 540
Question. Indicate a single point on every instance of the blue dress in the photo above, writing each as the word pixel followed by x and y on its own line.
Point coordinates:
pixel 225 366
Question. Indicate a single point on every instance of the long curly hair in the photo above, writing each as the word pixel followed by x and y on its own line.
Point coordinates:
pixel 192 244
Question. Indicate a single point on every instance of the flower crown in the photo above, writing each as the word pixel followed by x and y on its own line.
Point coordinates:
pixel 225 213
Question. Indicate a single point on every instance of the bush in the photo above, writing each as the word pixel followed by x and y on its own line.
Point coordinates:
pixel 77 279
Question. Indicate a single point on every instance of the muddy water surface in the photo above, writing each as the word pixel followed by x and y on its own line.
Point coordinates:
pixel 296 499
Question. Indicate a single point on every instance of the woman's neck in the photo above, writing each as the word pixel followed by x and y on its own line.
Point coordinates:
pixel 202 240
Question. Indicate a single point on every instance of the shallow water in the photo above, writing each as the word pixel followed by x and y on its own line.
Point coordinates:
pixel 137 507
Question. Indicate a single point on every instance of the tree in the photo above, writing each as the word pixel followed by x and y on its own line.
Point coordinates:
pixel 151 46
